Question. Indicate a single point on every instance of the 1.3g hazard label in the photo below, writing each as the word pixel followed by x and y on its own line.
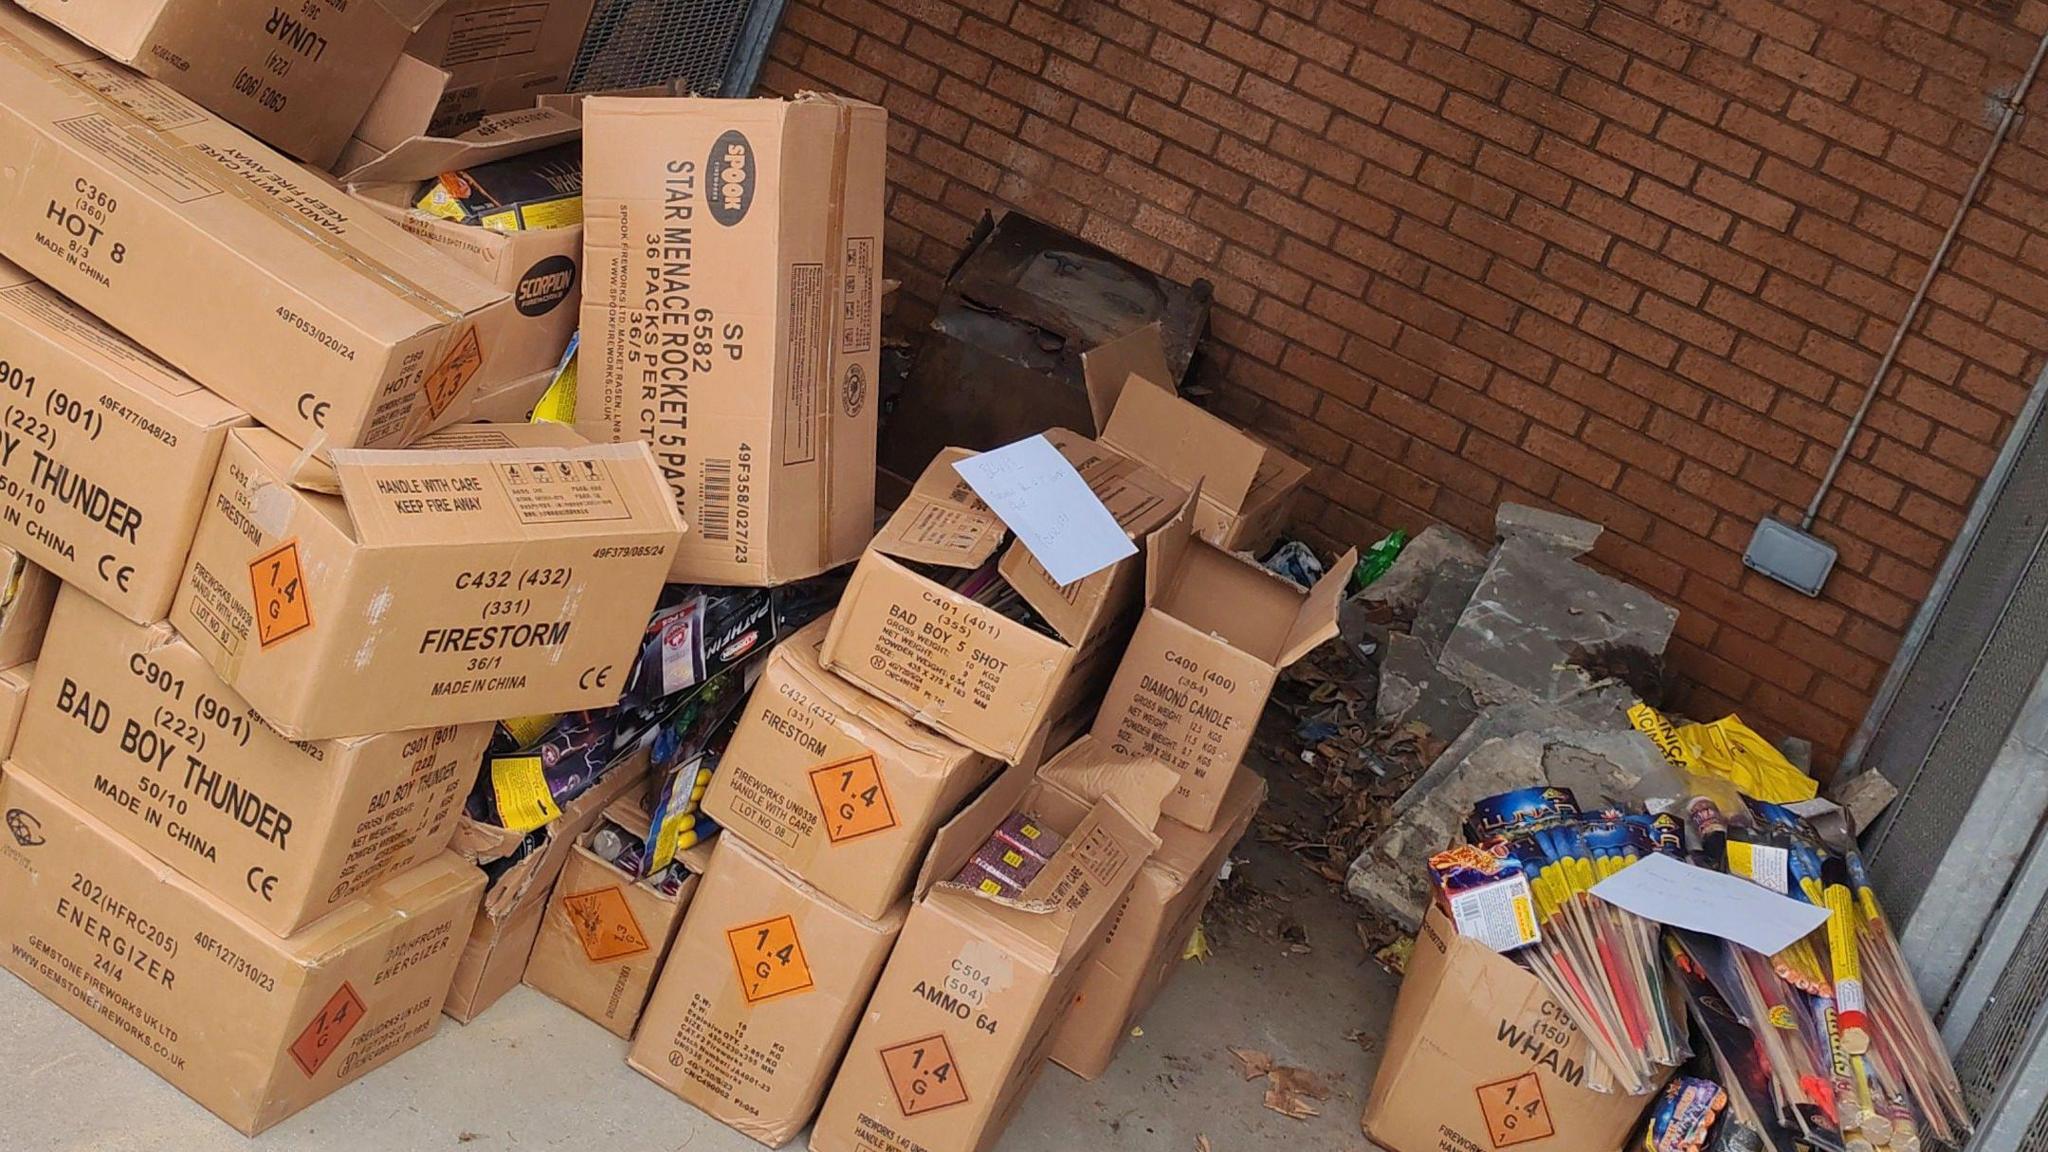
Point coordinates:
pixel 853 799
pixel 605 924
pixel 1515 1111
pixel 283 608
pixel 923 1076
pixel 770 959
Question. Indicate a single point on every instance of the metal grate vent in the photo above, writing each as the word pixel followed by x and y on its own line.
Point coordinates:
pixel 708 47
pixel 1999 1038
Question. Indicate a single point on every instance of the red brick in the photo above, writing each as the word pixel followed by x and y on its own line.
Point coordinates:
pixel 1524 174
pixel 1426 19
pixel 1251 51
pixel 1003 44
pixel 1592 280
pixel 1551 111
pixel 1745 199
pixel 1642 153
pixel 1572 346
pixel 1654 271
pixel 1241 228
pixel 1306 40
pixel 1616 216
pixel 1201 172
pixel 1433 134
pixel 1196 63
pixel 1571 160
pixel 1709 144
pixel 1740 79
pixel 1576 48
pixel 1681 208
pixel 1511 463
pixel 1170 123
pixel 1805 71
pixel 1611 101
pixel 1290 104
pixel 1534 291
pixel 1673 90
pixel 1640 37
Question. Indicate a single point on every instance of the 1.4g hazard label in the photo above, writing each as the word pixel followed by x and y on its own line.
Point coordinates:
pixel 1515 1111
pixel 853 799
pixel 283 608
pixel 605 924
pixel 322 1038
pixel 770 959
pixel 923 1075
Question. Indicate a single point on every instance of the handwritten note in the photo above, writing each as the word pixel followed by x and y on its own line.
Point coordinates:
pixel 1676 893
pixel 1047 504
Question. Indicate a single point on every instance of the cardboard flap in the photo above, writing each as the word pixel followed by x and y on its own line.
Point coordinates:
pixel 1187 444
pixel 502 482
pixel 404 107
pixel 1107 368
pixel 1167 548
pixel 960 836
pixel 1317 620
pixel 411 13
pixel 1101 858
pixel 498 136
pixel 1091 771
pixel 942 521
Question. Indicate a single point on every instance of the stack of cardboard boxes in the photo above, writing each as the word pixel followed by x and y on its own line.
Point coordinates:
pixel 302 585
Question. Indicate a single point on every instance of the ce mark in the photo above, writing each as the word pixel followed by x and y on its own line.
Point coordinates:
pixel 116 574
pixel 263 884
pixel 313 410
pixel 595 678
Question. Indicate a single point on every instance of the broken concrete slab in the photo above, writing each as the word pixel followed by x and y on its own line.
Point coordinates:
pixel 1583 742
pixel 1448 590
pixel 1567 534
pixel 1406 581
pixel 1865 796
pixel 1414 690
pixel 1535 613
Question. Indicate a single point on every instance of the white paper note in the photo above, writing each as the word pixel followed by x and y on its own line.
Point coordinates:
pixel 1047 504
pixel 1678 894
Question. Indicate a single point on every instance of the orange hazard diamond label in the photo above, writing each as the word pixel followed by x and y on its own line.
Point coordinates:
pixel 1515 1111
pixel 283 608
pixel 770 959
pixel 322 1038
pixel 923 1075
pixel 605 924
pixel 853 798
pixel 445 383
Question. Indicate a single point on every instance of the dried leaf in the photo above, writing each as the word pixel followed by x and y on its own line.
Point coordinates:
pixel 1299 1081
pixel 1202 1144
pixel 1252 1063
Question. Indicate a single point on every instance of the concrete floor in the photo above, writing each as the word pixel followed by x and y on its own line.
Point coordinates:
pixel 530 1074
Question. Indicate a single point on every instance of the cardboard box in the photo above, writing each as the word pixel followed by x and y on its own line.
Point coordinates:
pixel 984 678
pixel 297 77
pixel 501 939
pixel 324 322
pixel 1248 486
pixel 542 269
pixel 963 1016
pixel 606 934
pixel 498 55
pixel 733 258
pixel 14 688
pixel 760 995
pixel 251 1026
pixel 1216 632
pixel 1480 1056
pixel 132 726
pixel 1150 934
pixel 27 594
pixel 443 585
pixel 836 786
pixel 116 446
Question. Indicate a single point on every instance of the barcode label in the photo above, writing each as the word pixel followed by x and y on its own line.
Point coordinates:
pixel 714 522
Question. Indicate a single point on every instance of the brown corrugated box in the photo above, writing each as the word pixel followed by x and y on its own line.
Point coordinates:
pixel 498 55
pixel 1480 1056
pixel 760 995
pixel 541 268
pixel 118 447
pixel 1216 632
pixel 1149 936
pixel 732 318
pixel 501 938
pixel 318 318
pixel 834 785
pixel 505 570
pixel 15 684
pixel 963 1016
pixel 296 76
pixel 27 594
pixel 251 1026
pixel 606 935
pixel 131 725
pixel 983 678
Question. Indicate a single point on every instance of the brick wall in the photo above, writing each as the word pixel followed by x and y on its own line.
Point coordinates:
pixel 1632 259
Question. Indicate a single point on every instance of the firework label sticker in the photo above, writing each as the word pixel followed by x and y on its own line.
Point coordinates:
pixel 1515 1111
pixel 923 1075
pixel 770 959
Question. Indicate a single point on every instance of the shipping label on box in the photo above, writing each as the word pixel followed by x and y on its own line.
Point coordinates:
pixel 328 324
pixel 835 785
pixel 733 254
pixel 760 994
pixel 298 77
pixel 252 1026
pixel 131 725
pixel 1216 632
pixel 443 585
pixel 107 452
pixel 963 1016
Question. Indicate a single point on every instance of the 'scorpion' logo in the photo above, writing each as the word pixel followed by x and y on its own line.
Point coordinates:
pixel 731 173
pixel 545 286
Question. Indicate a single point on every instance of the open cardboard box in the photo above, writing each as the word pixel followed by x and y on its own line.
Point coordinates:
pixel 1216 632
pixel 984 678
pixel 964 1015
pixel 1480 1056
pixel 541 268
